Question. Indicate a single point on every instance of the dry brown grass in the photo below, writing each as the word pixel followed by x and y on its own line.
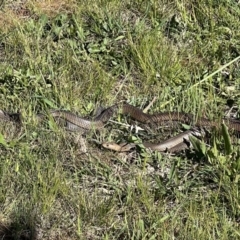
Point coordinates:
pixel 15 13
pixel 52 7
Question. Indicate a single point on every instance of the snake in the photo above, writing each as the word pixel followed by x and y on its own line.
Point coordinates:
pixel 75 122
pixel 174 144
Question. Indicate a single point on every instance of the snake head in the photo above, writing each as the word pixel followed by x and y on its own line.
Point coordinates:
pixel 122 147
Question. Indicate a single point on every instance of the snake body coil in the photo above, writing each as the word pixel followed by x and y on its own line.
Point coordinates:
pixel 75 122
pixel 127 109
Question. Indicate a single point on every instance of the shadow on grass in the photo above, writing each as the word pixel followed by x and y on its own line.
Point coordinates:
pixel 22 228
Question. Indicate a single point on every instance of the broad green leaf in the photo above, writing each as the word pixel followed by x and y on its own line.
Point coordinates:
pixel 49 103
pixel 2 140
pixel 198 145
pixel 227 140
pixel 119 38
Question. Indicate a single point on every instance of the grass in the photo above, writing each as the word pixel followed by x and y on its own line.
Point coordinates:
pixel 77 55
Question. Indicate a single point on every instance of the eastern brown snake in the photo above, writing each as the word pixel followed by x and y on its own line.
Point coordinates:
pixel 75 122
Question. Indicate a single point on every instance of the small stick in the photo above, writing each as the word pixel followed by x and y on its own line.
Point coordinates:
pixel 145 110
pixel 128 126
